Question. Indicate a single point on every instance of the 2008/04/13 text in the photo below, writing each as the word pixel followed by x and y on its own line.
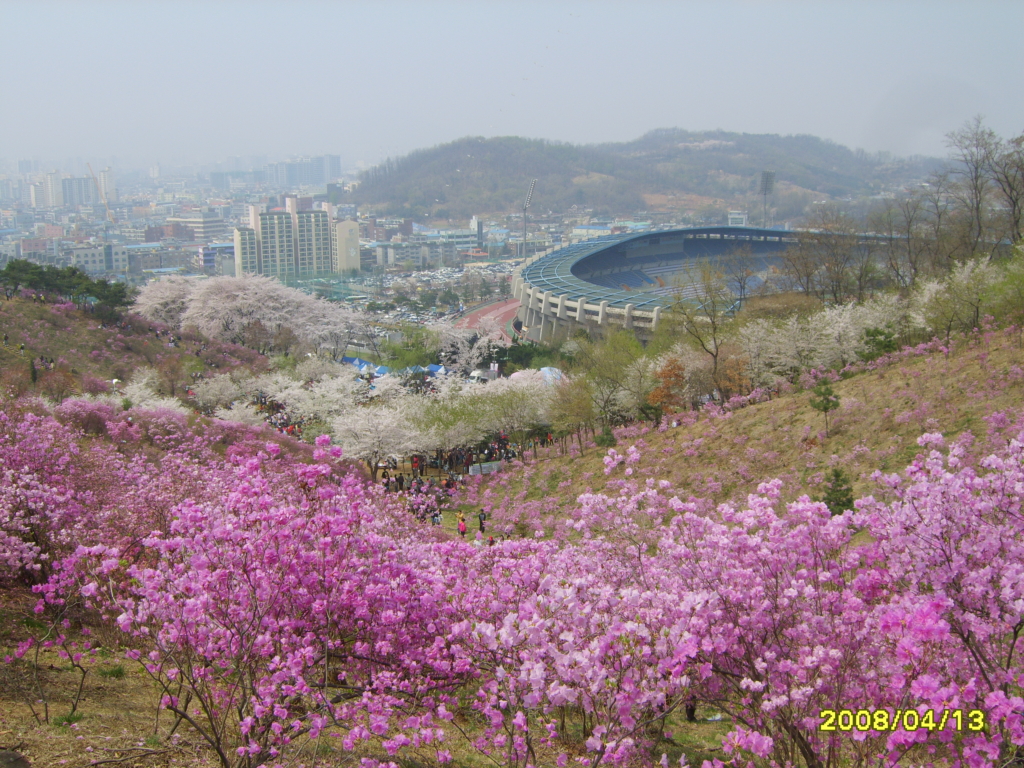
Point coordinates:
pixel 909 719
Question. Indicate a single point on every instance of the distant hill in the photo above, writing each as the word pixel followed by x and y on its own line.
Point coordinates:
pixel 667 169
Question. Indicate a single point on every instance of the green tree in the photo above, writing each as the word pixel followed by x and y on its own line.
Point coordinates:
pixel 448 297
pixel 17 273
pixel 824 400
pixel 419 346
pixel 620 373
pixel 572 408
pixel 879 341
pixel 838 495
pixel 606 439
pixel 702 312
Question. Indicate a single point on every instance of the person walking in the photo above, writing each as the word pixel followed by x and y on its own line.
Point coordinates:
pixel 462 525
pixel 482 516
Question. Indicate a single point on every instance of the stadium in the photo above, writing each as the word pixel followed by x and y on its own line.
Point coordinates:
pixel 630 279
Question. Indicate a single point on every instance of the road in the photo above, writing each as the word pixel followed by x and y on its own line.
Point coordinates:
pixel 501 313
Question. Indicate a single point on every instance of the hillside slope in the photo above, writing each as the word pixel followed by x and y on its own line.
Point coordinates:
pixel 977 388
pixel 476 175
pixel 88 353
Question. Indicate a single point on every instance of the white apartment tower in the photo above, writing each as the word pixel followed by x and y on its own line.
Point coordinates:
pixel 345 243
pixel 247 259
pixel 254 215
pixel 54 190
pixel 107 185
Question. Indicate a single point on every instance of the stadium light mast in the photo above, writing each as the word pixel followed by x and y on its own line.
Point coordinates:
pixel 529 196
pixel 767 185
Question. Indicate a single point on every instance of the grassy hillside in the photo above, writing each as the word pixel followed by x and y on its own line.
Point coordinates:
pixel 719 459
pixel 476 175
pixel 87 353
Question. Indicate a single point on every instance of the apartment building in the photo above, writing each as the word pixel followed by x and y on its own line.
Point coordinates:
pixel 276 235
pixel 313 243
pixel 100 259
pixel 295 243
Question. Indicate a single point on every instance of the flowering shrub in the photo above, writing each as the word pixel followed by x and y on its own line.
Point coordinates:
pixel 273 595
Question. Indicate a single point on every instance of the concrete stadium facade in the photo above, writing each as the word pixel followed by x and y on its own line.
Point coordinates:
pixel 620 279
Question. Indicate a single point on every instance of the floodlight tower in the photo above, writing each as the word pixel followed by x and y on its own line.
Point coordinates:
pixel 767 185
pixel 529 196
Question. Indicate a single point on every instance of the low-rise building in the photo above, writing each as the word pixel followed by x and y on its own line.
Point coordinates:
pixel 100 259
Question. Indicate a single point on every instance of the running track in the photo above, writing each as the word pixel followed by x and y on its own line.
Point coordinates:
pixel 501 313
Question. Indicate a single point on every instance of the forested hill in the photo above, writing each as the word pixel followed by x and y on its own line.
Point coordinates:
pixel 477 175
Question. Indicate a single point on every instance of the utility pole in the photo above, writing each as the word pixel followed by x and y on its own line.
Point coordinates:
pixel 529 196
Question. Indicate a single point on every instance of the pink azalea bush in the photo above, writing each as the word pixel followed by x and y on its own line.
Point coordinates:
pixel 274 596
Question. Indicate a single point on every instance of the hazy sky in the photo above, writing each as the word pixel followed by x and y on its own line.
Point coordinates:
pixel 197 82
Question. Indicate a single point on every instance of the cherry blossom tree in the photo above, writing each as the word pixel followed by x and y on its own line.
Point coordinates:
pixel 377 431
pixel 254 309
pixel 166 300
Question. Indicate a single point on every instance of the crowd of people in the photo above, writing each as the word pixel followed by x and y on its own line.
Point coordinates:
pixel 277 416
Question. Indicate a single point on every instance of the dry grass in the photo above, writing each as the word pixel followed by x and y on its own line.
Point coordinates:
pixel 77 342
pixel 881 415
pixel 119 723
pixel 117 716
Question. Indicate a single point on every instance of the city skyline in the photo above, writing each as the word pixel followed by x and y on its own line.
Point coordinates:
pixel 168 83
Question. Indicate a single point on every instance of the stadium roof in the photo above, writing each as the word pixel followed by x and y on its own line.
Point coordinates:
pixel 553 272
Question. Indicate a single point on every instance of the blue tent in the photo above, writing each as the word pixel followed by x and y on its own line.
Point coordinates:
pixel 358 362
pixel 551 375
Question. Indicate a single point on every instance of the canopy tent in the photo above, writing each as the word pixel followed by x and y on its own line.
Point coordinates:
pixel 551 375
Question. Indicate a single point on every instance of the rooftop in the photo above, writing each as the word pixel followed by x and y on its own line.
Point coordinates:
pixel 555 271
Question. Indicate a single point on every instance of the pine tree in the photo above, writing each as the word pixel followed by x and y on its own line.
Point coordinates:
pixel 824 400
pixel 839 494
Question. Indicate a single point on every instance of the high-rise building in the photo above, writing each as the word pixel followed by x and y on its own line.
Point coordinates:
pixel 107 185
pixel 345 244
pixel 296 243
pixel 313 243
pixel 277 245
pixel 247 259
pixel 53 190
pixel 80 190
pixel 304 172
pixel 254 214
